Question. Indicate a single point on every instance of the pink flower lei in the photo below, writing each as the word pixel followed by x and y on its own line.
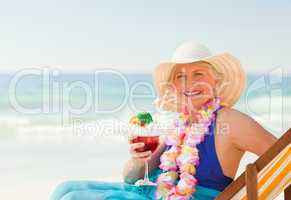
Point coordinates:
pixel 179 162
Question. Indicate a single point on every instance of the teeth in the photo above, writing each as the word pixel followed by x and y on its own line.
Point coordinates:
pixel 192 93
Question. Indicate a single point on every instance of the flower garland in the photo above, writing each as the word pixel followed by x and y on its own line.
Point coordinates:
pixel 179 161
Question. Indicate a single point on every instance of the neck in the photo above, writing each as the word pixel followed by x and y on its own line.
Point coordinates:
pixel 194 116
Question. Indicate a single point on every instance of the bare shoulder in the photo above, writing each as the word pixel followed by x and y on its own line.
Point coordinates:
pixel 239 122
pixel 244 132
pixel 232 119
pixel 231 114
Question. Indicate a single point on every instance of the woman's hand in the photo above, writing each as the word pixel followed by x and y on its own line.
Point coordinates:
pixel 134 167
pixel 137 153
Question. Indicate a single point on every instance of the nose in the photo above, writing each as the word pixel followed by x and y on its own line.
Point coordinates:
pixel 188 84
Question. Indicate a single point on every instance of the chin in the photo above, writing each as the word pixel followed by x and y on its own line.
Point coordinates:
pixel 197 103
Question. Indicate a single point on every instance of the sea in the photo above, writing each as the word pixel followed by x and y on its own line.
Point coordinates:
pixel 58 126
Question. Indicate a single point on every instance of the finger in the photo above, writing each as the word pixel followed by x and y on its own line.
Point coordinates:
pixel 142 154
pixel 145 159
pixel 135 146
pixel 131 138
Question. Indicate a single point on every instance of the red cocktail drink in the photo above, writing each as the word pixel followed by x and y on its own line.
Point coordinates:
pixel 150 142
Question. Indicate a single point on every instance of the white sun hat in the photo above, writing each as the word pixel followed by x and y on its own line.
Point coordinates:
pixel 233 77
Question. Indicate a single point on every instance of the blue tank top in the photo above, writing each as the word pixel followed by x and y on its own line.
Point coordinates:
pixel 209 172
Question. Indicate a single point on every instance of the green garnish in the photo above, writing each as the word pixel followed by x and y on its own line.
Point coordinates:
pixel 145 118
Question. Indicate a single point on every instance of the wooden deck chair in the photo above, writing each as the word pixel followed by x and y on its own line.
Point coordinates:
pixel 267 177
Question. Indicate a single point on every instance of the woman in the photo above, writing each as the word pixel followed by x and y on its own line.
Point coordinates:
pixel 190 81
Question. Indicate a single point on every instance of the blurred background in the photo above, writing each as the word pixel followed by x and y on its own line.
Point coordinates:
pixel 73 72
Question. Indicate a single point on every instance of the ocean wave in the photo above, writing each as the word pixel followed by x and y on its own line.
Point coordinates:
pixel 262 106
pixel 273 112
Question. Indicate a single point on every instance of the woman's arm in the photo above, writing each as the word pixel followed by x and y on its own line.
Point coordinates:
pixel 248 135
pixel 134 167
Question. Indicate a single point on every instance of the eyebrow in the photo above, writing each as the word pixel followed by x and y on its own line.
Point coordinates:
pixel 199 70
pixel 180 73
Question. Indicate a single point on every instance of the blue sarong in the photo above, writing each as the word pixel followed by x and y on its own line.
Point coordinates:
pixel 101 190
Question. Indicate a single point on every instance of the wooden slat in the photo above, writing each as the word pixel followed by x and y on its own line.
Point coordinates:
pixel 287 193
pixel 260 163
pixel 251 182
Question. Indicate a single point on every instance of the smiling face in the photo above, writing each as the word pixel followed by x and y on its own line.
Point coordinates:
pixel 194 84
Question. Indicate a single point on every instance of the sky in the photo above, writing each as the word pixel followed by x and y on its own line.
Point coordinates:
pixel 136 35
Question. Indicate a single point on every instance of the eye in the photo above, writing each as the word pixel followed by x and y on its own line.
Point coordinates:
pixel 181 76
pixel 198 74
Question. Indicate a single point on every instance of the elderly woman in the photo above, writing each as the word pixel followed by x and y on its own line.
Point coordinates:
pixel 191 162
